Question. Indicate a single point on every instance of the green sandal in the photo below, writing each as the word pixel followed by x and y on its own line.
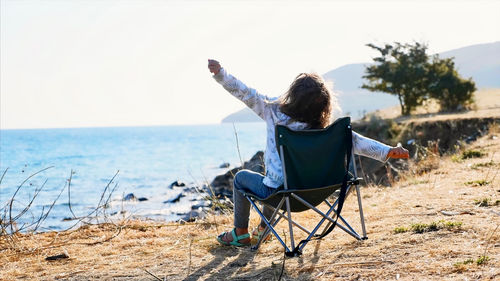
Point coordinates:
pixel 256 234
pixel 235 239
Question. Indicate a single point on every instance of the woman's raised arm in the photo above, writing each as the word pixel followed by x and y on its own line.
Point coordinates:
pixel 260 104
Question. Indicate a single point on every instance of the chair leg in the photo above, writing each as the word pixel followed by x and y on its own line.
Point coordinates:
pixel 290 221
pixel 324 217
pixel 341 219
pixel 268 223
pixel 358 194
pixel 362 217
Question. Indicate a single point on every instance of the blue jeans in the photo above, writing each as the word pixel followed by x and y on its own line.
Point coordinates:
pixel 250 181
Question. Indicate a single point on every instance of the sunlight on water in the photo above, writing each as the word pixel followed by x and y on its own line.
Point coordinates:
pixel 148 160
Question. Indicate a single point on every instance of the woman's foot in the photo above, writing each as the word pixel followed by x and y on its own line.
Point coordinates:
pixel 237 237
pixel 258 232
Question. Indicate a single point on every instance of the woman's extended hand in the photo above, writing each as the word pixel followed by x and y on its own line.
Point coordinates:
pixel 214 66
pixel 398 152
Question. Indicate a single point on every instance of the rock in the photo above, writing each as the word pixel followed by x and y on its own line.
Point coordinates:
pixel 225 179
pixel 175 198
pixel 449 213
pixel 191 216
pixel 130 197
pixel 256 163
pixel 191 189
pixel 222 185
pixel 201 205
pixel 473 137
pixel 176 184
pixel 224 165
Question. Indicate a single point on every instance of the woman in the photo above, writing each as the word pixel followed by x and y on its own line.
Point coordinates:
pixel 306 105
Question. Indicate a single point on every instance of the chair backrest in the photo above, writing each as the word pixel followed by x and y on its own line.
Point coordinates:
pixel 314 158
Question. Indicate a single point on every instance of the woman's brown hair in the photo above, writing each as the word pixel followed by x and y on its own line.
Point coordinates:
pixel 308 100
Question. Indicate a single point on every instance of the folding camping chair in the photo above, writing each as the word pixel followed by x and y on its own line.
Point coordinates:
pixel 316 164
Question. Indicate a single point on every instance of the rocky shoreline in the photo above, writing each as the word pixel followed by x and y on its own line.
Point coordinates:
pixel 220 190
pixel 215 195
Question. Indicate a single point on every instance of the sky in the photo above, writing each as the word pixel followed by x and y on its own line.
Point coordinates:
pixel 99 63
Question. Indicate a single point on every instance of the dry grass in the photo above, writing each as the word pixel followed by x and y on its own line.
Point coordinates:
pixel 487 104
pixel 460 238
pixel 466 246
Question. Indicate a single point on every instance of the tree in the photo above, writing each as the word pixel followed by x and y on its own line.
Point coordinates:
pixel 445 84
pixel 407 72
pixel 401 70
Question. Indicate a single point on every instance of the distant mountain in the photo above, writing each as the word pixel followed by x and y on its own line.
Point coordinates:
pixel 481 62
pixel 244 115
pixel 353 100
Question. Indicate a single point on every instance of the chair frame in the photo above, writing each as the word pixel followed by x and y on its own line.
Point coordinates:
pixel 330 215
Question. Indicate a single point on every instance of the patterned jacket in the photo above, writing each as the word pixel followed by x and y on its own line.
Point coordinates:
pixel 268 109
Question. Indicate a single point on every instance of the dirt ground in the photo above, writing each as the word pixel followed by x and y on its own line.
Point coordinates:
pixel 456 206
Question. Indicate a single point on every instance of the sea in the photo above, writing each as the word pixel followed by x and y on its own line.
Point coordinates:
pixel 67 173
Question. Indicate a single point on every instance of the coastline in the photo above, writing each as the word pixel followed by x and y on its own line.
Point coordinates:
pixel 452 195
pixel 453 191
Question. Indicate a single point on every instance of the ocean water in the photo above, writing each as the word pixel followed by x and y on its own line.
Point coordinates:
pixel 147 159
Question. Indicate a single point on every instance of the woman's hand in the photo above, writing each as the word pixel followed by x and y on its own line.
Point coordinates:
pixel 398 152
pixel 214 66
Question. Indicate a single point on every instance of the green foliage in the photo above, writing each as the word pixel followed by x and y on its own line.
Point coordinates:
pixel 483 165
pixel 405 70
pixel 401 229
pixel 482 202
pixel 468 261
pixel 433 226
pixel 422 227
pixel 467 154
pixel 456 158
pixel 445 85
pixel 400 71
pixel 477 183
pixel 486 202
pixel 472 154
pixel 451 224
pixel 479 261
pixel 482 260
